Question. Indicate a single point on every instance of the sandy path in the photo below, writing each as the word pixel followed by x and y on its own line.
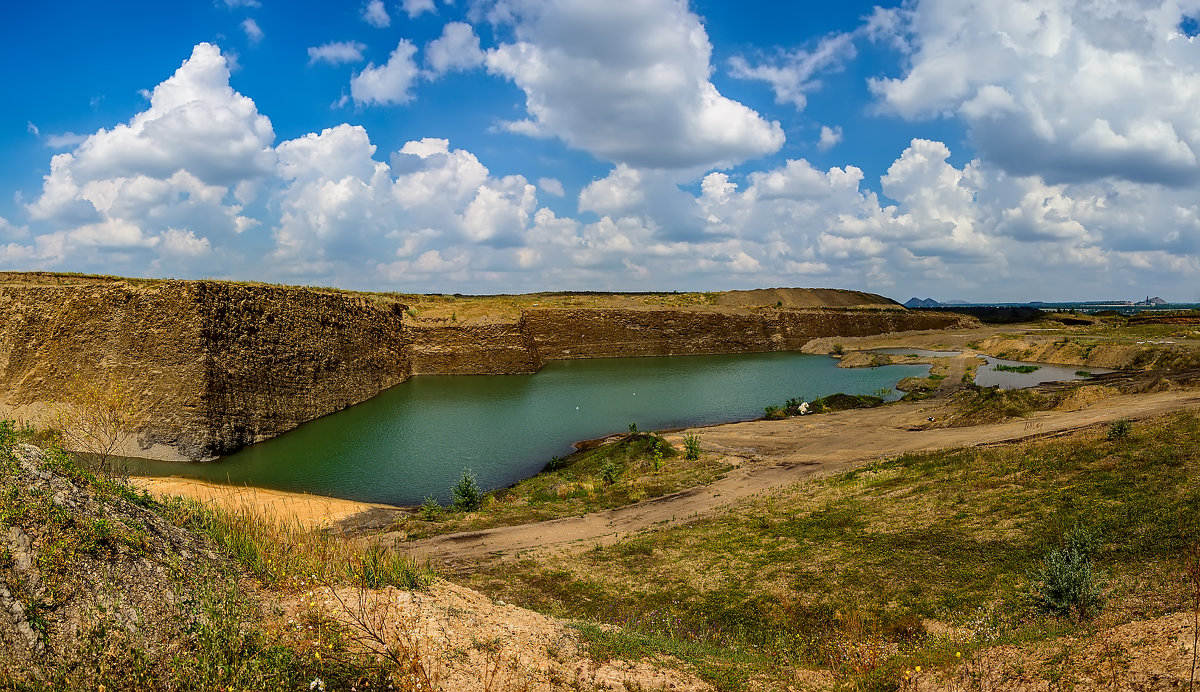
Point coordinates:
pixel 775 454
pixel 309 511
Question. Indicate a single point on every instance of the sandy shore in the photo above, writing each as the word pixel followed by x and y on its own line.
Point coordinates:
pixel 310 511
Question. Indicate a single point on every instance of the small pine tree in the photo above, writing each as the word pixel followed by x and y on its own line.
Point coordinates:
pixel 465 493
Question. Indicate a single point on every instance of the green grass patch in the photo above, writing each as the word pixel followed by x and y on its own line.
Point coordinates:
pixel 637 467
pixel 1001 367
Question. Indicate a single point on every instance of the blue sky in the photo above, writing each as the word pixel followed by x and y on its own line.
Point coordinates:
pixel 969 149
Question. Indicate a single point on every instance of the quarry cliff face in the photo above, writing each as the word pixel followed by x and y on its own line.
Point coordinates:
pixel 213 365
pixel 216 365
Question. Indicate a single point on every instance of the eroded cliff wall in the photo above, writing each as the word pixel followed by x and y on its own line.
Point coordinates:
pixel 556 334
pixel 216 365
pixel 213 365
pixel 56 339
pixel 277 357
pixel 448 348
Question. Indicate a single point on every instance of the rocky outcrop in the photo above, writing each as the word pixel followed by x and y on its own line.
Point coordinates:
pixel 545 334
pixel 447 348
pixel 215 366
pixel 277 357
pixel 606 333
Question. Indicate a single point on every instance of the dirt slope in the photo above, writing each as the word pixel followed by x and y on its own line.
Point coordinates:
pixel 805 298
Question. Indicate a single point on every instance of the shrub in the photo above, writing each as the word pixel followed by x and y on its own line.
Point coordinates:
pixel 691 445
pixel 610 472
pixel 1120 429
pixel 844 402
pixel 774 412
pixel 465 493
pixel 633 428
pixel 1067 583
pixel 430 509
pixel 555 463
pixel 838 349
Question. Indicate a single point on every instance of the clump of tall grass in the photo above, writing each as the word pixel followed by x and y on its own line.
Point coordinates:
pixel 281 552
pixel 1120 429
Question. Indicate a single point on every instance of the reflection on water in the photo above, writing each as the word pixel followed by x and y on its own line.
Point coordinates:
pixel 988 375
pixel 414 439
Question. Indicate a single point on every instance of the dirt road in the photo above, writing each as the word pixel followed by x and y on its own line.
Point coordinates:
pixel 772 454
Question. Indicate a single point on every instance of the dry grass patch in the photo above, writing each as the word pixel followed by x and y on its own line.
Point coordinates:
pixel 842 573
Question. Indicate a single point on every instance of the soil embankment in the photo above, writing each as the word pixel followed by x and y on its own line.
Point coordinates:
pixel 1143 354
pixel 214 366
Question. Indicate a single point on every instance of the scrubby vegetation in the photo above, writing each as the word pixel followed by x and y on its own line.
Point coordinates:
pixel 826 404
pixel 906 562
pixel 115 595
pixel 1067 583
pixel 636 467
pixel 977 405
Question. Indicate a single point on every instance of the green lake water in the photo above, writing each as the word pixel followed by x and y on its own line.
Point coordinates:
pixel 414 439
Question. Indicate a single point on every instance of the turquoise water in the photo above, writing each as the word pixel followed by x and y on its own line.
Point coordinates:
pixel 414 439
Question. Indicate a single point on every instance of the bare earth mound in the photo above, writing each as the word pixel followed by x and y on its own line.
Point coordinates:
pixel 805 298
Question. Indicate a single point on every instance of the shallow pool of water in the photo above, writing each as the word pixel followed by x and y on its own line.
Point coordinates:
pixel 414 439
pixel 989 376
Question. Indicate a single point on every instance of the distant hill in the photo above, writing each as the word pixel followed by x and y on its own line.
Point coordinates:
pixel 916 302
pixel 805 298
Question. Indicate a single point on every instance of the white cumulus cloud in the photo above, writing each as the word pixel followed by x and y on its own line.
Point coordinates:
pixel 414 8
pixel 553 186
pixel 172 169
pixel 388 83
pixel 830 137
pixel 336 52
pixel 627 81
pixel 1072 90
pixel 456 49
pixel 376 14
